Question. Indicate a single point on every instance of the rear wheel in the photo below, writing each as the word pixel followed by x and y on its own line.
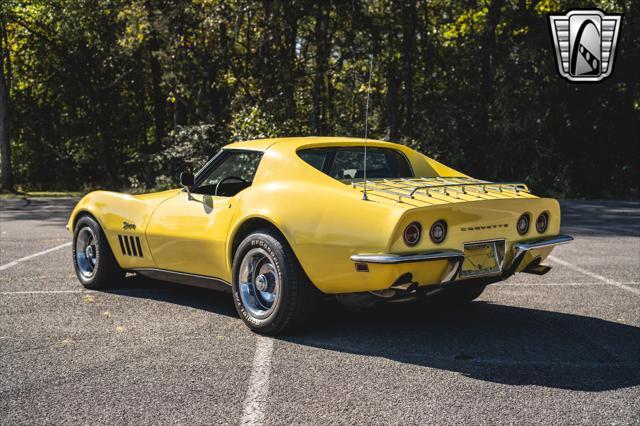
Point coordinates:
pixel 271 292
pixel 94 262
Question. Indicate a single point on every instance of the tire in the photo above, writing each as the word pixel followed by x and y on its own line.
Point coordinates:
pixel 271 292
pixel 97 267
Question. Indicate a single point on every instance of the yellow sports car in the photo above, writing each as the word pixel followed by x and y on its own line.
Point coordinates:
pixel 282 222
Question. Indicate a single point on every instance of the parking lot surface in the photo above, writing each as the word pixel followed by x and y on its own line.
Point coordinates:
pixel 561 348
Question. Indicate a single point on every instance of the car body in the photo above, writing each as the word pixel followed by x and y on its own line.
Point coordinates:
pixel 346 239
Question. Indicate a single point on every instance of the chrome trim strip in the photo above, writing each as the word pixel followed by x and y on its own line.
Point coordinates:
pixel 522 248
pixel 185 278
pixel 543 242
pixel 406 258
pixel 454 268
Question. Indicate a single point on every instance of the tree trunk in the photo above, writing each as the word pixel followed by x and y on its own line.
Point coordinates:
pixel 179 114
pixel 409 19
pixel 487 66
pixel 141 99
pixel 5 147
pixel 319 91
pixel 158 100
pixel 393 84
pixel 265 60
pixel 291 16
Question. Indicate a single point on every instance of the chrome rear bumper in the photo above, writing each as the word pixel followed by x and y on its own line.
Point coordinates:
pixel 456 257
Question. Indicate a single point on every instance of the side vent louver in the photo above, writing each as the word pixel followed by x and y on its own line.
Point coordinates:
pixel 130 245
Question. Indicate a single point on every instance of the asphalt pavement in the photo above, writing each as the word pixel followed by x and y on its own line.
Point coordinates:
pixel 563 348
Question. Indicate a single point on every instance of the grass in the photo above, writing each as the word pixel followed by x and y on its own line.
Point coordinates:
pixel 41 194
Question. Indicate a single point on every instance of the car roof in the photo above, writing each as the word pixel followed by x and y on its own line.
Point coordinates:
pixel 299 142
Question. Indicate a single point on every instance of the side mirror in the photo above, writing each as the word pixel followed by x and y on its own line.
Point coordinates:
pixel 187 179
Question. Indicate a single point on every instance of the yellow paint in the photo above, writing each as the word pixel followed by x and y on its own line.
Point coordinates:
pixel 324 220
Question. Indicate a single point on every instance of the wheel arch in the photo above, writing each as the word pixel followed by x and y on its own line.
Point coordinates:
pixel 91 204
pixel 79 214
pixel 251 224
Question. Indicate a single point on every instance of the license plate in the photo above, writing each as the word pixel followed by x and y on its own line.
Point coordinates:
pixel 480 259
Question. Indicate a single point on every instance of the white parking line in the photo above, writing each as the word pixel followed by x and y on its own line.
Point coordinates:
pixel 256 399
pixel 594 275
pixel 31 256
pixel 507 284
pixel 6 293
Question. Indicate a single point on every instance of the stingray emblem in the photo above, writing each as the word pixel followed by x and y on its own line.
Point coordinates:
pixel 585 43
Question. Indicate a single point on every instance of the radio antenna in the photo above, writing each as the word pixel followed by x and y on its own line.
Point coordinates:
pixel 366 130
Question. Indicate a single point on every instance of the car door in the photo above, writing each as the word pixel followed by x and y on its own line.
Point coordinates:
pixel 188 232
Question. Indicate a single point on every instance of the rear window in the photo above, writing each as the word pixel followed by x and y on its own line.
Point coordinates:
pixel 345 163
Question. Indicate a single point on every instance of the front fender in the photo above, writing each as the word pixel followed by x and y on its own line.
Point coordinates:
pixel 111 210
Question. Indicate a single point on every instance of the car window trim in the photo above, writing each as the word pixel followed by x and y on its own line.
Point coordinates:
pixel 216 160
pixel 332 151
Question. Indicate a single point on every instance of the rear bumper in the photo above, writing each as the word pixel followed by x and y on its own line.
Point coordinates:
pixel 455 258
pixel 521 250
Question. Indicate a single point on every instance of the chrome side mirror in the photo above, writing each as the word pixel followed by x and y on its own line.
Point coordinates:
pixel 187 180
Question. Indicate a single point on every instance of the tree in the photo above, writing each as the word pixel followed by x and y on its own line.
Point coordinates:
pixel 92 87
pixel 5 146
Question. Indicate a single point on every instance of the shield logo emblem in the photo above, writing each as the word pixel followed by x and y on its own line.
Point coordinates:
pixel 585 44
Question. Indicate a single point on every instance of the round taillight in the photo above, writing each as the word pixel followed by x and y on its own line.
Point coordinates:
pixel 412 234
pixel 523 224
pixel 438 231
pixel 542 222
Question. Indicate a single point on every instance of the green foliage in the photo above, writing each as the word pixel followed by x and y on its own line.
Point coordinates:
pixel 121 93
pixel 188 150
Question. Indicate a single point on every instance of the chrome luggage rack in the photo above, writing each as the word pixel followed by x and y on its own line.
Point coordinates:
pixel 410 187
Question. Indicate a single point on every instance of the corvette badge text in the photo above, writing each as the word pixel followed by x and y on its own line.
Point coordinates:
pixel 481 227
pixel 585 44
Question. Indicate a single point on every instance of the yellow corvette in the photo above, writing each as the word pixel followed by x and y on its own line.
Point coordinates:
pixel 281 222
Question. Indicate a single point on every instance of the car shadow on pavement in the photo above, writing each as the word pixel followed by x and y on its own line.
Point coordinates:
pixel 489 342
pixel 217 302
pixel 484 341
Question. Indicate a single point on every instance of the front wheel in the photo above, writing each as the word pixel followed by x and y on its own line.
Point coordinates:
pixel 94 262
pixel 271 292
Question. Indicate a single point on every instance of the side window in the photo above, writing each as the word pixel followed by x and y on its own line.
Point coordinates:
pixel 315 157
pixel 346 163
pixel 231 175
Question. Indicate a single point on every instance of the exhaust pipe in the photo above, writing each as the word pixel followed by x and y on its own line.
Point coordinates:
pixel 405 283
pixel 536 268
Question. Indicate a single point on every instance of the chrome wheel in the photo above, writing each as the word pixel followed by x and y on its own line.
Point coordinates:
pixel 86 252
pixel 259 283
